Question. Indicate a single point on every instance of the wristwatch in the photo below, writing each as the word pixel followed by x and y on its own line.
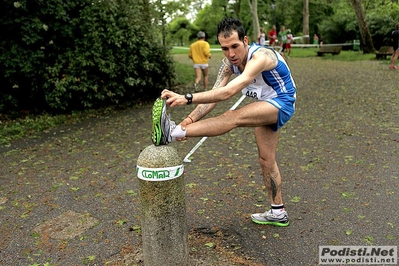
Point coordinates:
pixel 189 98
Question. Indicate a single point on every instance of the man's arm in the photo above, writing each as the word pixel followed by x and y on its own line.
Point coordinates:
pixel 262 60
pixel 208 51
pixel 190 53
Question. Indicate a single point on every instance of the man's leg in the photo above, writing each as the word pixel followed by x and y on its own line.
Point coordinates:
pixel 267 140
pixel 251 115
pixel 205 73
pixel 197 77
pixel 165 131
pixel 395 57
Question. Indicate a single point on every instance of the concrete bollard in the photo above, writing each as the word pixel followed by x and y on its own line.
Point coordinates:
pixel 163 207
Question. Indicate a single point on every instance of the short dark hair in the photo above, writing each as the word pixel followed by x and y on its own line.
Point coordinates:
pixel 397 26
pixel 227 25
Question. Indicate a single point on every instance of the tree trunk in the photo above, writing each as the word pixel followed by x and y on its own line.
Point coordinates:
pixel 255 21
pixel 305 29
pixel 365 37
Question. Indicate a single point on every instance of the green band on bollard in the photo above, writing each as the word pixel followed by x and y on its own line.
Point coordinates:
pixel 159 174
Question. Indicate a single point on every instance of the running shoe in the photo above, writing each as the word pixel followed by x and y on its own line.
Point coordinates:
pixel 195 86
pixel 393 67
pixel 270 218
pixel 162 126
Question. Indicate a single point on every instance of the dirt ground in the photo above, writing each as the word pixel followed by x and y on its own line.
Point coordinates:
pixel 69 196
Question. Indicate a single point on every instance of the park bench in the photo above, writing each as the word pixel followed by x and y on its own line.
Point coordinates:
pixel 329 50
pixel 383 52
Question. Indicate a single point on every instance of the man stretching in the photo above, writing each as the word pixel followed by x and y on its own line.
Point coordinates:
pixel 262 74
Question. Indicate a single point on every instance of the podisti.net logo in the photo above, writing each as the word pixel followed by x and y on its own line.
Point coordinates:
pixel 363 255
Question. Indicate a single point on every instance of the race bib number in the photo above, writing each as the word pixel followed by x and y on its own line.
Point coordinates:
pixel 253 92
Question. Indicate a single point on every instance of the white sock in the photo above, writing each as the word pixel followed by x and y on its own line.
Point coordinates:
pixel 178 133
pixel 277 208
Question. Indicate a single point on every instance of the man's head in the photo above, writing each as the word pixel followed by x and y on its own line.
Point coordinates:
pixel 201 35
pixel 228 25
pixel 232 39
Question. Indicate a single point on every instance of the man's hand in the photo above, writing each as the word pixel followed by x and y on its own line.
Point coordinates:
pixel 173 99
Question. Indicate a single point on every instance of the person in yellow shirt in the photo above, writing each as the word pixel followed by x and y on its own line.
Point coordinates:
pixel 200 53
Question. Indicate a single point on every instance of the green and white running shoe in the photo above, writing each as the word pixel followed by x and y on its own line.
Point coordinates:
pixel 162 126
pixel 271 218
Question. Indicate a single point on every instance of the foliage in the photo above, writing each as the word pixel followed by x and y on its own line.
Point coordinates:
pixel 333 20
pixel 208 19
pixel 342 26
pixel 180 31
pixel 61 57
pixel 163 10
pixel 381 21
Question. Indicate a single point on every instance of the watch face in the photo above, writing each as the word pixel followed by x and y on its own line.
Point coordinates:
pixel 189 98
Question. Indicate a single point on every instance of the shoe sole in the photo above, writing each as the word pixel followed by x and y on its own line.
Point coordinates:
pixel 156 134
pixel 272 223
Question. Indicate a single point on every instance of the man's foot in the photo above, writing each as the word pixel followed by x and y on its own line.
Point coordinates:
pixel 162 126
pixel 393 67
pixel 270 218
pixel 195 86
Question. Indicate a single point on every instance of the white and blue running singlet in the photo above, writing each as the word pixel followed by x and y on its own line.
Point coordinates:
pixel 275 86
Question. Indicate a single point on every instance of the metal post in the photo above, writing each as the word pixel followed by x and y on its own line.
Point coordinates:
pixel 163 207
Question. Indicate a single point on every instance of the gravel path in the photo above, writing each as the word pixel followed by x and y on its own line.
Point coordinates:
pixel 69 196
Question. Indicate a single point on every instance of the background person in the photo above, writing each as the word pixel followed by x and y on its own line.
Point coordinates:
pixel 316 40
pixel 200 53
pixel 262 37
pixel 272 35
pixel 264 76
pixel 282 38
pixel 290 40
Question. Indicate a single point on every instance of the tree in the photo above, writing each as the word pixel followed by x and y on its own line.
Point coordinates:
pixel 253 5
pixel 208 18
pixel 306 22
pixel 365 36
pixel 180 30
pixel 165 11
pixel 57 57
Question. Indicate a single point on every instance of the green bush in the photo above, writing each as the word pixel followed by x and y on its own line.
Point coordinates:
pixel 63 56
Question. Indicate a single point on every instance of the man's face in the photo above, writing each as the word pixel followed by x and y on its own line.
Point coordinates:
pixel 234 49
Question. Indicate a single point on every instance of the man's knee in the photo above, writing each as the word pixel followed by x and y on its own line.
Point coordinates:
pixel 230 116
pixel 267 162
